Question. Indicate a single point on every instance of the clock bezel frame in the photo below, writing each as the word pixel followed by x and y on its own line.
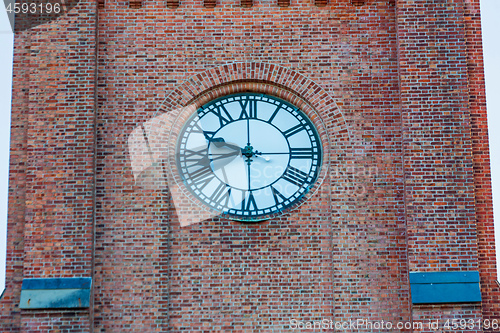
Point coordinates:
pixel 274 212
pixel 183 114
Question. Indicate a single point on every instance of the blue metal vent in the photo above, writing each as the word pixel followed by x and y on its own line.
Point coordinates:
pixel 445 287
pixel 55 293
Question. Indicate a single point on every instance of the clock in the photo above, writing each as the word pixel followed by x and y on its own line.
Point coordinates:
pixel 248 156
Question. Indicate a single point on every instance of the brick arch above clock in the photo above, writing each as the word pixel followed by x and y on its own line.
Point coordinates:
pixel 267 78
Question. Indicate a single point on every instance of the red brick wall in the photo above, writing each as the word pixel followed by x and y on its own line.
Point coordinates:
pixel 396 85
pixel 63 321
pixel 442 107
pixel 51 190
pixel 10 316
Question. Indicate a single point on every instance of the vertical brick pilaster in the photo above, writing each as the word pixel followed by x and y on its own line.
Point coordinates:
pixel 10 315
pixel 59 121
pixel 439 189
pixel 481 159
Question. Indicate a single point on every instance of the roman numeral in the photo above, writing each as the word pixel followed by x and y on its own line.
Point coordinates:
pixel 302 153
pixel 197 128
pixel 221 112
pixel 274 114
pixel 221 194
pixel 294 130
pixel 295 176
pixel 247 204
pixel 208 135
pixel 248 109
pixel 277 196
pixel 202 176
pixel 200 157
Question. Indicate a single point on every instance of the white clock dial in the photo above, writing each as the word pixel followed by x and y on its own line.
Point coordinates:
pixel 249 155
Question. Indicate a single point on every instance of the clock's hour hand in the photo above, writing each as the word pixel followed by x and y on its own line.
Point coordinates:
pixel 208 135
pixel 220 142
pixel 208 160
pixel 210 138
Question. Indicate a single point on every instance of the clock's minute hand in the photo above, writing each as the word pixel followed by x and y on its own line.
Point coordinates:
pixel 212 139
pixel 259 154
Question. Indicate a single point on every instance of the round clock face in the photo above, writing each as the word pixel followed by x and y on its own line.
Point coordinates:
pixel 249 155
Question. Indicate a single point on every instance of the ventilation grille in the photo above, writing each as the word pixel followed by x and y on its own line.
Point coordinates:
pixel 134 4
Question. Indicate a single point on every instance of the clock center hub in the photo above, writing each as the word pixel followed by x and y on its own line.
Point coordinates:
pixel 264 154
pixel 248 151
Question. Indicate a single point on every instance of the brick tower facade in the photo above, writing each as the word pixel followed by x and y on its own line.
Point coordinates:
pixel 398 229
